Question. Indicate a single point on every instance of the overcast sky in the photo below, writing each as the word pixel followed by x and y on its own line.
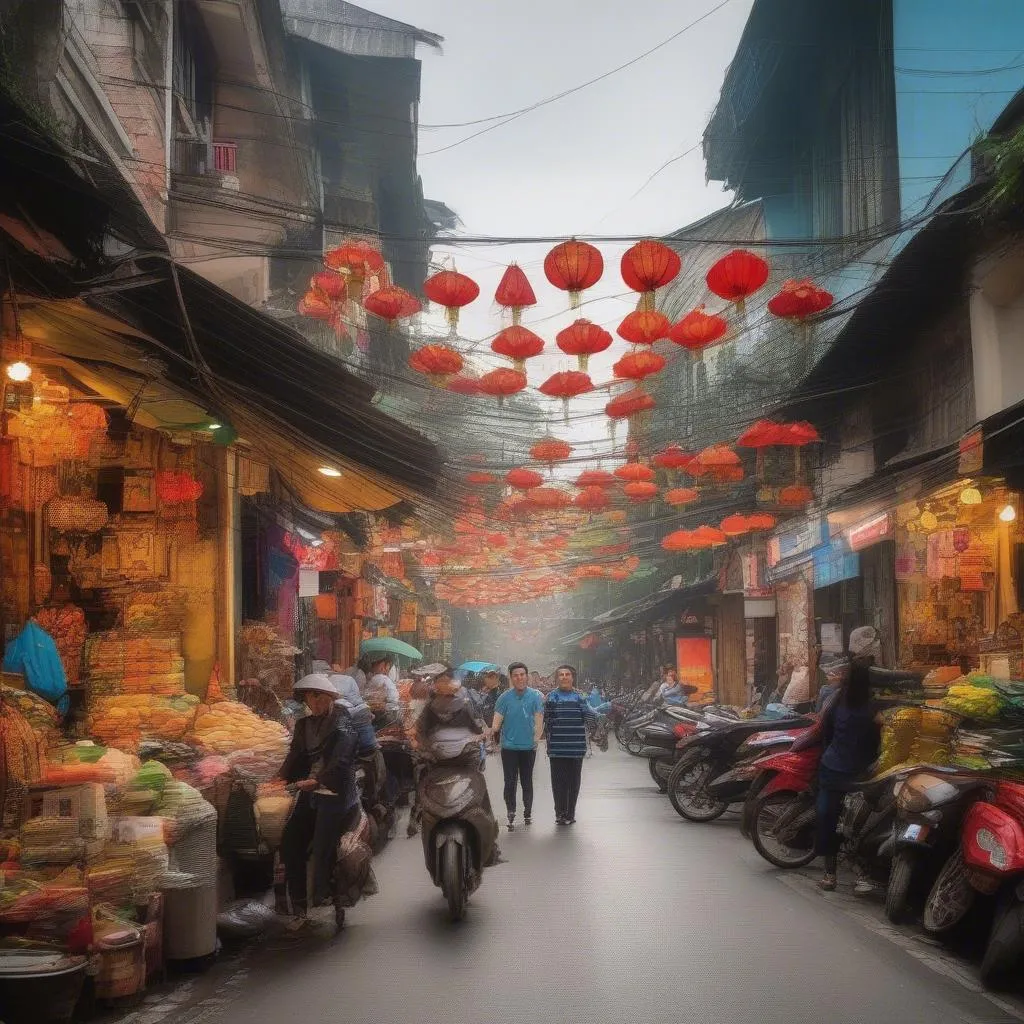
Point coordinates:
pixel 573 166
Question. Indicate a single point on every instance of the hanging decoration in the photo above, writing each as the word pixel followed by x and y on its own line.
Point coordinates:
pixel 550 450
pixel 502 383
pixel 518 344
pixel 392 304
pixel 452 290
pixel 595 478
pixel 547 498
pixel 592 499
pixel 437 362
pixel 481 479
pixel 515 292
pixel 175 487
pixel 798 300
pixel 734 525
pixel 644 327
pixel 523 479
pixel 329 284
pixel 640 490
pixel 737 276
pixel 355 261
pixel 565 385
pixel 631 407
pixel 462 384
pixel 574 267
pixel 795 496
pixel 682 496
pixel 648 266
pixel 583 339
pixel 316 305
pixel 635 471
pixel 673 459
pixel 638 365
pixel 697 330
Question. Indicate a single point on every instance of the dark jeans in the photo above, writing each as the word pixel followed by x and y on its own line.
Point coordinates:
pixel 518 767
pixel 832 789
pixel 316 823
pixel 565 785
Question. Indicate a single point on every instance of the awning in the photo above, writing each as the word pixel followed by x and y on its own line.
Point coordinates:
pixel 643 610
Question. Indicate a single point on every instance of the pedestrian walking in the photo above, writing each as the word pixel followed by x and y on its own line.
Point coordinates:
pixel 519 719
pixel 566 714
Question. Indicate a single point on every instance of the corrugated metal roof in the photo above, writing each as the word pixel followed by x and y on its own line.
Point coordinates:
pixel 345 28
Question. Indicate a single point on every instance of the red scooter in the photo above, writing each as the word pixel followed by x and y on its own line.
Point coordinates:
pixel 993 851
pixel 779 812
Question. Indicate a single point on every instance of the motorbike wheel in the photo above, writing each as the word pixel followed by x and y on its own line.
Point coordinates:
pixel 652 767
pixel 950 899
pixel 687 790
pixel 750 803
pixel 634 744
pixel 620 733
pixel 453 884
pixel 766 813
pixel 901 874
pixel 999 966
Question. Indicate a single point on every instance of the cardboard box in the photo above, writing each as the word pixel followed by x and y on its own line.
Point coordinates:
pixel 86 803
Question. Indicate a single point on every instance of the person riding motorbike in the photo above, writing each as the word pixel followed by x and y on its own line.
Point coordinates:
pixel 368 752
pixel 320 766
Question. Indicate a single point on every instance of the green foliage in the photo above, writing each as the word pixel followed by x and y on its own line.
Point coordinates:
pixel 1004 157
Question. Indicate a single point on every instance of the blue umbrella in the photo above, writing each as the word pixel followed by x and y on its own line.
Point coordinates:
pixel 475 666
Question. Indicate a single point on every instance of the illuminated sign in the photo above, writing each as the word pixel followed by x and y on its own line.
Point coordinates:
pixel 870 532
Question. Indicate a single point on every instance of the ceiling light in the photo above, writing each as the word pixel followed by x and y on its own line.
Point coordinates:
pixel 19 371
pixel 970 496
pixel 215 426
pixel 1007 513
pixel 329 471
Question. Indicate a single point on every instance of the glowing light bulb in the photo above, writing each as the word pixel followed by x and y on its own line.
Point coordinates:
pixel 19 371
pixel 929 520
pixel 1007 513
pixel 970 496
pixel 215 426
pixel 329 471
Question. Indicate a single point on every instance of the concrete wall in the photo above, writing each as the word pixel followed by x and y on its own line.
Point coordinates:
pixel 997 331
pixel 957 67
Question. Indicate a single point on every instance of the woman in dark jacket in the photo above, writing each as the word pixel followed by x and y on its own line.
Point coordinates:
pixel 321 767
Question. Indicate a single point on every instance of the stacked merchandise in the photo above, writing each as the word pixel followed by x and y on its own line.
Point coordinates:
pixel 916 735
pixel 40 714
pixel 265 657
pixel 20 762
pixel 125 663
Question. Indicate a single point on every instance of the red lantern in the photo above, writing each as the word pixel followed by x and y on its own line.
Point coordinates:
pixel 548 498
pixel 518 344
pixel 595 478
pixel 640 490
pixel 464 385
pixel 682 496
pixel 698 329
pixel 331 285
pixel 644 327
pixel 392 303
pixel 550 450
pixel 761 521
pixel 631 404
pixel 638 365
pixel 680 540
pixel 734 526
pixel 591 498
pixel 648 266
pixel 481 479
pixel 356 261
pixel 452 290
pixel 523 479
pixel 565 385
pixel 502 383
pixel 583 339
pixel 438 362
pixel 719 462
pixel 635 471
pixel 708 537
pixel 573 267
pixel 673 458
pixel 515 292
pixel 316 305
pixel 797 300
pixel 737 275
pixel 795 496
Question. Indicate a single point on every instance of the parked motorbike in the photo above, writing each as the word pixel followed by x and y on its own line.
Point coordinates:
pixel 459 830
pixel 661 736
pixel 930 806
pixel 779 811
pixel 703 782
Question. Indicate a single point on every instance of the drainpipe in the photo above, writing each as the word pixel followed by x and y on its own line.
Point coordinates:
pixel 168 99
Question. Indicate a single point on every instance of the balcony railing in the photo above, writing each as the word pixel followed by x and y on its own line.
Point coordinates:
pixel 197 158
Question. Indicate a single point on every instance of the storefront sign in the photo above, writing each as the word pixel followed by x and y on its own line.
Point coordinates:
pixel 694 662
pixel 309 582
pixel 832 638
pixel 799 541
pixel 834 562
pixel 972 452
pixel 869 532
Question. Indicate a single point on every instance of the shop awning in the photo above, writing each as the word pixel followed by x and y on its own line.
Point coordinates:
pixel 643 610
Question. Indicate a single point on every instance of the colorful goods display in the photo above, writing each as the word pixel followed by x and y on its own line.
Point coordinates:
pixel 122 664
pixel 124 721
pixel 67 627
pixel 229 727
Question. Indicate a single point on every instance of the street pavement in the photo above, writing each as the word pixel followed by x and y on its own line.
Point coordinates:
pixel 630 915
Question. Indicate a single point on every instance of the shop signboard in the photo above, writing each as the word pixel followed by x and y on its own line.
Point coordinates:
pixel 695 665
pixel 834 562
pixel 869 532
pixel 797 541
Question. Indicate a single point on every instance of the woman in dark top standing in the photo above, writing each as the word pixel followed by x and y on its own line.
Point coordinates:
pixel 849 730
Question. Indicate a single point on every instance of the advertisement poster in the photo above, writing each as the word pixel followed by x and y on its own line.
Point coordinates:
pixel 694 661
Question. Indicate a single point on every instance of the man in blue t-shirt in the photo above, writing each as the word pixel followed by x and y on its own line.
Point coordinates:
pixel 519 718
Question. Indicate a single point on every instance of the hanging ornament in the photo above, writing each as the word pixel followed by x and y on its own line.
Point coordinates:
pixel 502 383
pixel 329 284
pixel 548 498
pixel 635 471
pixel 392 304
pixel 647 266
pixel 462 384
pixel 795 496
pixel 515 292
pixel 452 290
pixel 682 496
pixel 574 267
pixel 736 276
pixel 355 261
pixel 638 365
pixel 697 330
pixel 523 479
pixel 518 344
pixel 317 306
pixel 481 479
pixel 583 339
pixel 644 327
pixel 438 362
pixel 640 490
pixel 592 499
pixel 565 385
pixel 734 526
pixel 797 300
pixel 595 478
pixel 673 459
pixel 550 450
pixel 719 462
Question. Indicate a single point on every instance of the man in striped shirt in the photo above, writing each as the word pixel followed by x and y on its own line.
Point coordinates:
pixel 566 714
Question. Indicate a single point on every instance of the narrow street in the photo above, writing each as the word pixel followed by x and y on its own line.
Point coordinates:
pixel 631 915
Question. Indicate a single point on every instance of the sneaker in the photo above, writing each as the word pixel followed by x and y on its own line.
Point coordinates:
pixel 827 883
pixel 863 887
pixel 511 821
pixel 559 820
pixel 570 821
pixel 527 819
